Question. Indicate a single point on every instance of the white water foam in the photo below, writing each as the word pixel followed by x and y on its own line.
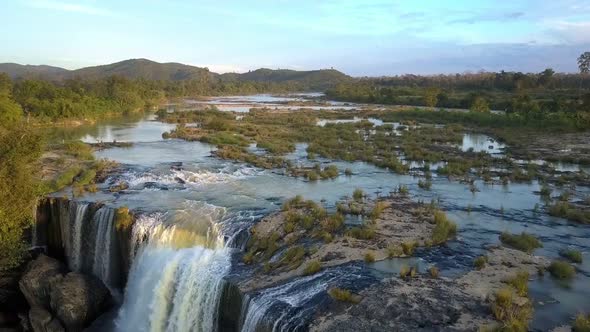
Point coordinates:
pixel 176 278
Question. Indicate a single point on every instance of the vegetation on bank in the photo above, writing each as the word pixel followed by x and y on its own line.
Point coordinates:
pixel 561 270
pixel 523 242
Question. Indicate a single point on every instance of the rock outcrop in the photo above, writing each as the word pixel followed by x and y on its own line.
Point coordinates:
pixel 61 301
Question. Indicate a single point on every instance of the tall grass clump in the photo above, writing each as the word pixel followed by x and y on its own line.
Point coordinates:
pixel 444 229
pixel 523 242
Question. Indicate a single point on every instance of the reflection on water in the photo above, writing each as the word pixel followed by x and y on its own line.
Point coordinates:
pixel 481 143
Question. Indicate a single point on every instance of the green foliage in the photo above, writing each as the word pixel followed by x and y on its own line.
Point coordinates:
pixel 523 242
pixel 312 267
pixel 358 195
pixel 361 233
pixel 513 316
pixel 343 295
pixel 20 147
pixel 573 255
pixel 480 262
pixel 394 250
pixel 444 228
pixel 408 247
pixel 407 272
pixel 520 283
pixel 581 323
pixel 79 150
pixel 568 211
pixel 123 219
pixel 425 184
pixel 377 210
pixel 479 105
pixel 369 257
pixel 561 270
pixel 433 271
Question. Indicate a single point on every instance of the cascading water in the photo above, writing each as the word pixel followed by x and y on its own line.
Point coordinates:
pixel 75 254
pixel 102 266
pixel 290 306
pixel 176 278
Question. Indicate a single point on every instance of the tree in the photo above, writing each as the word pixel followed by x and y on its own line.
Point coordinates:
pixel 480 105
pixel 431 97
pixel 584 63
pixel 20 148
pixel 546 76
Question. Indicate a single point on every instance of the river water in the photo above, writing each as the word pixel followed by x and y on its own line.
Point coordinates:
pixel 191 206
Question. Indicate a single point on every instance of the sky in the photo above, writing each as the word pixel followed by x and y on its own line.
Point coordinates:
pixel 360 38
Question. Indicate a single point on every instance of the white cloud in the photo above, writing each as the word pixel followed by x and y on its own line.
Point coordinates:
pixel 68 7
pixel 571 32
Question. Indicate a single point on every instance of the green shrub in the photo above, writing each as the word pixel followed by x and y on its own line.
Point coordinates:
pixel 523 242
pixel 293 257
pixel 561 270
pixel 377 210
pixel 573 255
pixel 426 184
pixel 520 283
pixel 358 195
pixel 582 323
pixel 394 250
pixel 312 175
pixel 408 247
pixel 480 262
pixel 312 267
pixel 362 233
pixel 329 172
pixel 369 257
pixel 444 228
pixel 407 272
pixel 569 212
pixel 343 295
pixel 123 218
pixel 79 150
pixel 511 315
pixel 348 172
pixel 333 223
pixel 403 189
pixel 433 271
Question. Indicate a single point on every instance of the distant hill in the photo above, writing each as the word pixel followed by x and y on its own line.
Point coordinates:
pixel 151 70
pixel 315 79
pixel 14 70
pixel 143 68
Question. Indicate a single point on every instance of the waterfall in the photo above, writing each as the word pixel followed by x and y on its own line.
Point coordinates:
pixel 75 254
pixel 290 306
pixel 104 241
pixel 176 278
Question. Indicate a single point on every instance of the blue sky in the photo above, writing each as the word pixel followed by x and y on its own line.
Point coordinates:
pixel 374 37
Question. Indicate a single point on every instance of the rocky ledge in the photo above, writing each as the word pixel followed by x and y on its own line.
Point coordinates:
pixel 431 303
pixel 303 238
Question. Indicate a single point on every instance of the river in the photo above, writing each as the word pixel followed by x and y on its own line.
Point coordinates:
pixel 192 207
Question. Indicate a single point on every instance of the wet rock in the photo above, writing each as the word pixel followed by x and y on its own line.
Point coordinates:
pixel 35 283
pixel 78 299
pixel 41 320
pixel 418 304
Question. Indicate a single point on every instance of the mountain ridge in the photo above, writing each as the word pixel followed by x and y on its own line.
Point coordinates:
pixel 142 68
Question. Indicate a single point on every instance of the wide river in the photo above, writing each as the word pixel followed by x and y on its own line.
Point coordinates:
pixel 177 182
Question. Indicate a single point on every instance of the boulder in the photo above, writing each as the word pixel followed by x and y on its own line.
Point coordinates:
pixel 78 299
pixel 41 320
pixel 36 282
